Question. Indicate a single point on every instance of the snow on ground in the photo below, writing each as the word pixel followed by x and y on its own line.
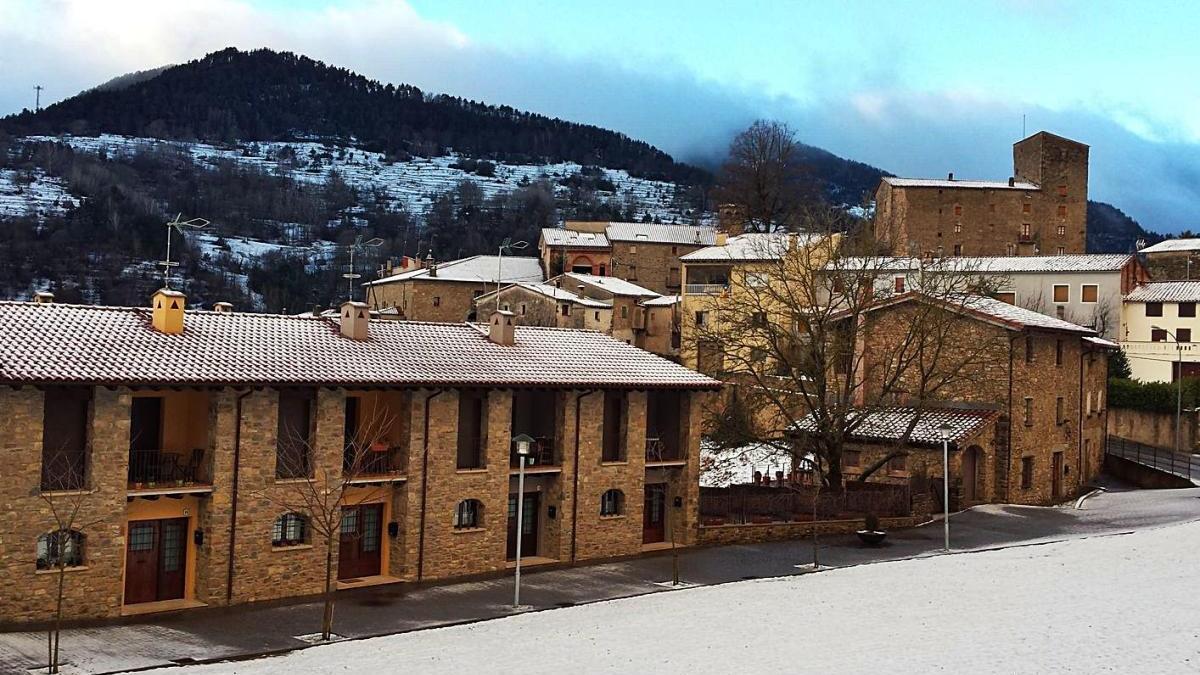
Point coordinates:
pixel 413 183
pixel 1119 604
pixel 44 196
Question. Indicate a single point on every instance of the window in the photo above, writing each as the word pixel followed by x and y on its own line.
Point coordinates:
pixel 673 277
pixel 1026 473
pixel 468 514
pixel 633 248
pixel 1026 229
pixel 472 428
pixel 596 315
pixel 1061 230
pixel 675 251
pixel 1153 309
pixel 958 209
pixel 1027 208
pixel 851 459
pixel 522 309
pixel 1158 335
pixel 898 464
pixel 632 273
pixel 758 319
pixel 756 279
pixel 1089 403
pixel 1028 349
pixel 1062 293
pixel 566 309
pixel 437 301
pixel 294 433
pixel 1060 311
pixel 940 252
pixel 991 208
pixel 1187 309
pixel 898 284
pixel 701 317
pixel 612 503
pixel 1058 352
pixel 1061 250
pixel 1062 190
pixel 1099 400
pixel 64 548
pixel 624 311
pixel 1028 411
pixel 477 292
pixel 1183 334
pixel 1059 409
pixel 1062 213
pixel 1010 298
pixel 1090 292
pixel 1011 249
pixel 958 249
pixel 958 228
pixel 65 437
pixel 614 427
pixel 291 529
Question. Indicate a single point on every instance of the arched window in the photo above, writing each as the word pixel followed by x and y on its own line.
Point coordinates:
pixel 612 503
pixel 64 547
pixel 469 514
pixel 291 529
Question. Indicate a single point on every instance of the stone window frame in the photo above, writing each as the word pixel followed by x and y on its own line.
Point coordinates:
pixel 612 503
pixel 289 523
pixel 74 550
pixel 468 515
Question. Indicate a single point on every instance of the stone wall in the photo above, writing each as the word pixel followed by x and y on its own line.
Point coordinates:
pixel 429 299
pixel 757 533
pixel 655 266
pixel 1153 428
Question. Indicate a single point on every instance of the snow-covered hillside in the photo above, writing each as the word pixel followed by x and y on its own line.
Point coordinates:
pixel 33 194
pixel 413 183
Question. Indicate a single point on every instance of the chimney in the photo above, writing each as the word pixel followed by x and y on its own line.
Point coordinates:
pixel 1012 182
pixel 167 311
pixel 223 308
pixel 722 238
pixel 355 320
pixel 950 176
pixel 500 328
pixel 43 297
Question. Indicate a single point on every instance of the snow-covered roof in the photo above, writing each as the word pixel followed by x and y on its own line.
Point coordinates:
pixel 656 233
pixel 720 468
pixel 1173 245
pixel 476 269
pixel 1166 291
pixel 662 301
pixel 550 291
pixel 557 236
pixel 877 263
pixel 1101 342
pixel 612 285
pixel 749 247
pixel 889 424
pixel 972 184
pixel 1010 316
pixel 59 343
pixel 1081 262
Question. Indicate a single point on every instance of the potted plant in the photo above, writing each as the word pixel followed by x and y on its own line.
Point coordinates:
pixel 871 535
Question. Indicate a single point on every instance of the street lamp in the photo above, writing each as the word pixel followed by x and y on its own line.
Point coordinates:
pixel 510 246
pixel 1178 379
pixel 944 431
pixel 523 443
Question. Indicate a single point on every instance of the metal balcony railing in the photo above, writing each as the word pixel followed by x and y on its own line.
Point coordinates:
pixel 705 289
pixel 163 468
pixel 543 453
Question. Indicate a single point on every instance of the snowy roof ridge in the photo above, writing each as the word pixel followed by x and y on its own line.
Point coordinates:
pixel 956 183
pixel 1165 291
pixel 889 424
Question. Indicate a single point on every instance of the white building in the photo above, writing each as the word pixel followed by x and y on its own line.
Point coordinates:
pixel 1158 326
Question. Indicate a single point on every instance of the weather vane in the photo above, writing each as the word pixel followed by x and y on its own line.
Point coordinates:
pixel 177 224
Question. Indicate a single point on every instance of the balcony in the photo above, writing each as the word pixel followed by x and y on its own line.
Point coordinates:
pixel 1025 238
pixel 543 457
pixel 657 452
pixel 167 472
pixel 379 463
pixel 705 289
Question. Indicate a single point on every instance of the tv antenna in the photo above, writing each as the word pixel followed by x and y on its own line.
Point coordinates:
pixel 179 225
pixel 351 275
pixel 37 105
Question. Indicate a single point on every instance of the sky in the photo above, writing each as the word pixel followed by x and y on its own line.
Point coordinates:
pixel 917 88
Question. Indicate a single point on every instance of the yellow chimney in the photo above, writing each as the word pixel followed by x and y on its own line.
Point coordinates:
pixel 355 320
pixel 722 239
pixel 500 329
pixel 168 311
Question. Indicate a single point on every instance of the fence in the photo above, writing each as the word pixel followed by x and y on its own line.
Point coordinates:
pixel 1178 463
pixel 755 504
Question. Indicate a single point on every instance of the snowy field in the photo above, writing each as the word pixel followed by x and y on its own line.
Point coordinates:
pixel 1115 604
pixel 43 196
pixel 412 183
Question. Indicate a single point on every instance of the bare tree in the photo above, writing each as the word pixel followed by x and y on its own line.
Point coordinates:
pixel 762 177
pixel 322 497
pixel 66 496
pixel 798 340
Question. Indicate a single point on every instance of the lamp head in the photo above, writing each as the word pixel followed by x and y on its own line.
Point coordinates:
pixel 523 443
pixel 944 430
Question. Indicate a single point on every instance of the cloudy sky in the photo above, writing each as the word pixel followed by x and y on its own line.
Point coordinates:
pixel 917 88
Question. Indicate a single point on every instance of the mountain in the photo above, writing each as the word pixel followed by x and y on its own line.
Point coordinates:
pixel 1110 230
pixel 263 95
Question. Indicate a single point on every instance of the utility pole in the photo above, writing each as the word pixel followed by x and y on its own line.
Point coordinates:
pixel 37 105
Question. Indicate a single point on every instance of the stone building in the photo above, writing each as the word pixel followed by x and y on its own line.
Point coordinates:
pixel 1173 259
pixel 1045 380
pixel 1158 329
pixel 183 434
pixel 446 291
pixel 645 253
pixel 1040 210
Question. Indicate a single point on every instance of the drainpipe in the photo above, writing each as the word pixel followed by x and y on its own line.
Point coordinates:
pixel 1011 425
pixel 575 472
pixel 1079 441
pixel 424 485
pixel 233 502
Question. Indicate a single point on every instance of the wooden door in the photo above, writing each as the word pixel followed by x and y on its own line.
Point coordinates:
pixel 529 530
pixel 1056 473
pixel 141 562
pixel 172 558
pixel 654 522
pixel 360 549
pixel 970 474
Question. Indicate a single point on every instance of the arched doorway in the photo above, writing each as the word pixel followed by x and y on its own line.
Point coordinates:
pixel 971 461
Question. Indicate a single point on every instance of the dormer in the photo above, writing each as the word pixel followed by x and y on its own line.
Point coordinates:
pixel 501 329
pixel 355 320
pixel 167 311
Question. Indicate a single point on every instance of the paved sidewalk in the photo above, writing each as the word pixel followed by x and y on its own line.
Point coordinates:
pixel 247 630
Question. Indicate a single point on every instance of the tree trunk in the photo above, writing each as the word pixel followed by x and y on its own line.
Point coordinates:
pixel 58 604
pixel 327 618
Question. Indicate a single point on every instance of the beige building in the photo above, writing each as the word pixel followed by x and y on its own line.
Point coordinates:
pixel 184 434
pixel 1158 327
pixel 446 291
pixel 645 253
pixel 1041 209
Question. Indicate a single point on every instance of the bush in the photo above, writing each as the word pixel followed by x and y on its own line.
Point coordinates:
pixel 1151 396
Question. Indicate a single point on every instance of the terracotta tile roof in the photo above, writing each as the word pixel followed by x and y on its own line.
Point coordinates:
pixel 475 269
pixel 550 291
pixel 84 344
pixel 889 424
pixel 749 247
pixel 1166 291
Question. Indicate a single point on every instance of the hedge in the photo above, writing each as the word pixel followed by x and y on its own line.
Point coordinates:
pixel 1152 396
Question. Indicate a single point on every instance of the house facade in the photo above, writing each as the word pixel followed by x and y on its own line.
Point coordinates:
pixel 1158 326
pixel 186 435
pixel 1041 209
pixel 1173 259
pixel 645 253
pixel 446 291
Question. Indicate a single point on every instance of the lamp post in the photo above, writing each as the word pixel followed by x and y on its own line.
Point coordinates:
pixel 1178 380
pixel 944 431
pixel 510 246
pixel 522 442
